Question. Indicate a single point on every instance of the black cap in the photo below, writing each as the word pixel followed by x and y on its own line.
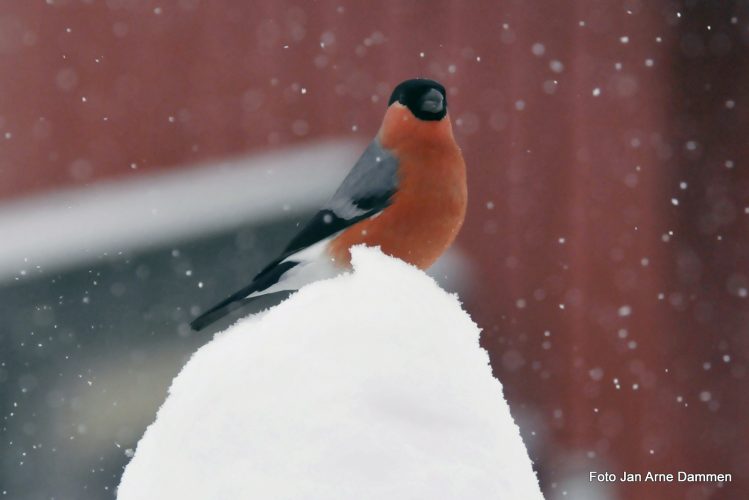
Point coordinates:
pixel 425 98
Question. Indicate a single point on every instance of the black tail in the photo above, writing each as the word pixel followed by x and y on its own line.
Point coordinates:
pixel 214 314
pixel 267 277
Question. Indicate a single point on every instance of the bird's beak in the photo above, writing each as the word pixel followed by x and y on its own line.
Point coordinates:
pixel 433 102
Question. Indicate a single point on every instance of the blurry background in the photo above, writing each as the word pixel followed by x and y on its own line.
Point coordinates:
pixel 154 154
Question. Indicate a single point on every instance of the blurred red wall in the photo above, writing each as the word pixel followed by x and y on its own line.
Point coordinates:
pixel 606 142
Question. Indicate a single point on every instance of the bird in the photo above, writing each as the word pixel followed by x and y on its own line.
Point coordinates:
pixel 406 194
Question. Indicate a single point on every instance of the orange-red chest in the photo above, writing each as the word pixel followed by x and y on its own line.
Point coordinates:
pixel 429 206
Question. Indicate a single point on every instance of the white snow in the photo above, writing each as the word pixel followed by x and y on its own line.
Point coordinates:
pixel 369 385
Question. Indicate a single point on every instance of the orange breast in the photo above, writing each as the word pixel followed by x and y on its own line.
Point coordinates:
pixel 430 205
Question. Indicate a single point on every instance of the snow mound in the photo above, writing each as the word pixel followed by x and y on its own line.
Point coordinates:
pixel 370 385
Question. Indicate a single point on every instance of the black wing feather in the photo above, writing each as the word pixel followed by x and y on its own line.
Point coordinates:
pixel 366 191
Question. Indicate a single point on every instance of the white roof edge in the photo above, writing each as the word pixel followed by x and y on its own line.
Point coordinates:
pixel 52 231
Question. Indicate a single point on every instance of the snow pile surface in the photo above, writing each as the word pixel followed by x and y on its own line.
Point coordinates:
pixel 370 385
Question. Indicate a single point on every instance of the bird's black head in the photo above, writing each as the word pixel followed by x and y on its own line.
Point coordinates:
pixel 426 99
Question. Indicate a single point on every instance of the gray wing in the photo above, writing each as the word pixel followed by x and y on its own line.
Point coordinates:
pixel 366 191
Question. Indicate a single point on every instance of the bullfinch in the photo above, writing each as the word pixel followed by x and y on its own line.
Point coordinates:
pixel 405 194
